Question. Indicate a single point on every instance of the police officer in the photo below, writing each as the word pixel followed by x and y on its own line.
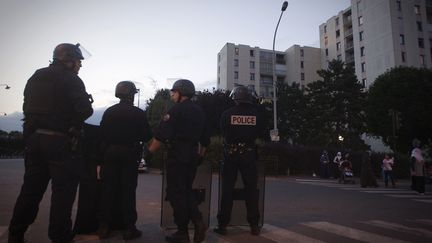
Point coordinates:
pixel 55 107
pixel 124 129
pixel 240 126
pixel 183 131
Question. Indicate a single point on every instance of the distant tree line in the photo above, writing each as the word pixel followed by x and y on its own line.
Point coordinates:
pixel 11 144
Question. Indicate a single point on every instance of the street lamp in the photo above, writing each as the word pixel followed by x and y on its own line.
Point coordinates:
pixel 341 139
pixel 274 134
pixel 6 86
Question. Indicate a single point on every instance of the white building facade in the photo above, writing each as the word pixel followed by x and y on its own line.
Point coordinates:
pixel 253 67
pixel 377 35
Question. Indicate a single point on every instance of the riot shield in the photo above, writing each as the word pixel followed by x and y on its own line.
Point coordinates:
pixel 202 188
pixel 238 214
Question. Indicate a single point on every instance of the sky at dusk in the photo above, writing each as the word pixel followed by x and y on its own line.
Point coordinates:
pixel 150 42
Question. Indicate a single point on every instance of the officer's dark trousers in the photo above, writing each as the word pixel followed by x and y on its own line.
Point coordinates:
pixel 47 157
pixel 246 164
pixel 119 182
pixel 181 168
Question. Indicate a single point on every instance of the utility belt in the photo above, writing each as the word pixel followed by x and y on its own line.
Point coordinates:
pixel 49 132
pixel 238 148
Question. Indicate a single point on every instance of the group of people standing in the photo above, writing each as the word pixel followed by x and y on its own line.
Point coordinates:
pixel 55 107
pixel 331 168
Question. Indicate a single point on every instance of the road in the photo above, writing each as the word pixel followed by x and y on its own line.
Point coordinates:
pixel 297 209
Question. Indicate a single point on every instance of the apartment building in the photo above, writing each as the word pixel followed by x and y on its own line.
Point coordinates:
pixel 253 67
pixel 376 35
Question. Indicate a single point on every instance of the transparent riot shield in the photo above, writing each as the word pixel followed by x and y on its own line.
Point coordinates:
pixel 201 186
pixel 238 213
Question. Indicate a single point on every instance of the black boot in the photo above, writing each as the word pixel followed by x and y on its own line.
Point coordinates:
pixel 16 239
pixel 103 231
pixel 222 230
pixel 200 231
pixel 178 237
pixel 255 230
pixel 131 233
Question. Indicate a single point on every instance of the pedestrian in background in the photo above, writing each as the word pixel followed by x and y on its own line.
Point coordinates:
pixel 55 107
pixel 387 165
pixel 367 176
pixel 240 127
pixel 324 164
pixel 334 166
pixel 182 130
pixel 124 129
pixel 417 167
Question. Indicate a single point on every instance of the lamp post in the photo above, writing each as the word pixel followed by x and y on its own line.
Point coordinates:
pixel 6 86
pixel 138 92
pixel 274 134
pixel 341 139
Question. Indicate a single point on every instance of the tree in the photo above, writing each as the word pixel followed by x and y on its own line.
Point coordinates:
pixel 407 92
pixel 291 107
pixel 335 108
pixel 158 106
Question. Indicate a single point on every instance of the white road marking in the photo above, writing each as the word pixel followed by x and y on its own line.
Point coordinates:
pixel 351 232
pixel 278 234
pixel 400 228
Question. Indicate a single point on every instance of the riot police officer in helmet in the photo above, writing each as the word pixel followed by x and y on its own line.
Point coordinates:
pixel 240 125
pixel 55 107
pixel 183 131
pixel 124 129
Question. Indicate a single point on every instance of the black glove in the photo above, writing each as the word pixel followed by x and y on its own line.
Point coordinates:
pixel 200 160
pixel 147 156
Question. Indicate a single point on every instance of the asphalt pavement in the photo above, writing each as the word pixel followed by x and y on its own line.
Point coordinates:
pixel 296 209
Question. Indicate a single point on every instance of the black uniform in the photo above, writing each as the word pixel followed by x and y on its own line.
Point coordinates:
pixel 182 129
pixel 87 216
pixel 240 126
pixel 55 100
pixel 124 128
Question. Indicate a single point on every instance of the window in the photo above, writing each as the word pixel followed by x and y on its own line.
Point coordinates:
pixel 362 49
pixel 301 64
pixel 338 46
pixel 235 75
pixel 252 76
pixel 236 50
pixel 402 39
pixel 337 33
pixel 422 60
pixel 361 35
pixel 337 21
pixel 364 83
pixel 325 28
pixel 419 26
pixel 363 67
pixel 399 5
pixel 252 65
pixel 421 42
pixel 301 52
pixel 302 76
pixel 251 53
pixel 325 41
pixel 360 20
pixel 235 62
pixel 403 56
pixel 326 51
pixel 218 57
pixel 339 57
pixel 417 9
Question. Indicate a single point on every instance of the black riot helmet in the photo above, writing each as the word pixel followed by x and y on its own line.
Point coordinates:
pixel 125 90
pixel 66 52
pixel 242 94
pixel 184 87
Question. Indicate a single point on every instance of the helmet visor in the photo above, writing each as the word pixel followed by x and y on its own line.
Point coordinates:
pixel 85 54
